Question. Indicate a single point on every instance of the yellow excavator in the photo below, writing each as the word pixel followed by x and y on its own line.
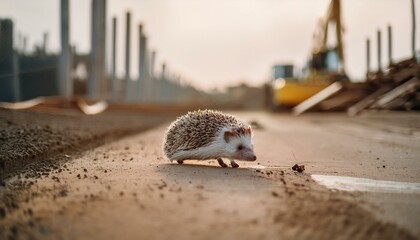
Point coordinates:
pixel 325 66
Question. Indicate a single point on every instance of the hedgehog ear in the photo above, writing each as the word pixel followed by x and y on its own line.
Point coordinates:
pixel 248 131
pixel 227 135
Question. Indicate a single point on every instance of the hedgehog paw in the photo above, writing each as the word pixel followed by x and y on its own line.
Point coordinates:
pixel 234 164
pixel 221 163
pixel 180 161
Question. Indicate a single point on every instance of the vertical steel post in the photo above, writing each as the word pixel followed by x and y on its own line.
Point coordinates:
pixel 152 63
pixel 25 42
pixel 141 67
pixel 163 73
pixel 143 71
pixel 18 45
pixel 367 56
pixel 127 81
pixel 148 80
pixel 96 82
pixel 16 78
pixel 154 82
pixel 44 43
pixel 389 45
pixel 413 32
pixel 379 51
pixel 65 83
pixel 114 83
pixel 7 40
pixel 162 85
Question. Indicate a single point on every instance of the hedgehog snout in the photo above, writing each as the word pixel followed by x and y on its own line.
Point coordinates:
pixel 250 156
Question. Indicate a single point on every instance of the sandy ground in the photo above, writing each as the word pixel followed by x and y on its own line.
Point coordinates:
pixel 32 136
pixel 126 190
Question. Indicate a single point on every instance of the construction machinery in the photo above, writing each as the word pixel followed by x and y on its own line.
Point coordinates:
pixel 325 66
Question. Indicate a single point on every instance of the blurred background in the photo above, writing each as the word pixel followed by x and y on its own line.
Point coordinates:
pixel 228 54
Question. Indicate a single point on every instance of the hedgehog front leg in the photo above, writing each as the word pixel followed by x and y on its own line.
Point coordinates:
pixel 221 163
pixel 233 163
pixel 180 161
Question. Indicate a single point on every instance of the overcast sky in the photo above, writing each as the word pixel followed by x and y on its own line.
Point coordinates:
pixel 215 43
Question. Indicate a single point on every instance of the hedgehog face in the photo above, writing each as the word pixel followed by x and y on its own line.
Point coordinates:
pixel 239 147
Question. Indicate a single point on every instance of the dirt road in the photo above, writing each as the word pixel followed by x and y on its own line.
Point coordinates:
pixel 126 190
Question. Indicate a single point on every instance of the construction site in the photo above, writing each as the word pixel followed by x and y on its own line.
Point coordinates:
pixel 82 138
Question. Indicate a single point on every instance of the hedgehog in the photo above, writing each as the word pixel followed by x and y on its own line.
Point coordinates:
pixel 208 134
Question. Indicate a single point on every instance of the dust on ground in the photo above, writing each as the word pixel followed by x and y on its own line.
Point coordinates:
pixel 126 190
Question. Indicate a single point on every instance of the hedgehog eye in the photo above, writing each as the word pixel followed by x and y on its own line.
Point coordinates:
pixel 240 147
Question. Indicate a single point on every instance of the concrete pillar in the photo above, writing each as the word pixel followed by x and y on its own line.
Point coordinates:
pixel 97 77
pixel 65 83
pixel 127 81
pixel 114 83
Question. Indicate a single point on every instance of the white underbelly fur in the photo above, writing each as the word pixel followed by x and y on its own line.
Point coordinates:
pixel 209 152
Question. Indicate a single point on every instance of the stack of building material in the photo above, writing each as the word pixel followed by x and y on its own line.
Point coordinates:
pixel 398 88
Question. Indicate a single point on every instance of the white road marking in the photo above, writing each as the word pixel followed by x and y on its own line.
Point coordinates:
pixel 366 185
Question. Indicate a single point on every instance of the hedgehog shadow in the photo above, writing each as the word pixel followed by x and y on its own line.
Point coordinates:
pixel 192 165
pixel 198 172
pixel 201 169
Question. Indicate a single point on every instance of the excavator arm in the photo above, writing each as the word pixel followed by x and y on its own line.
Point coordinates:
pixel 332 16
